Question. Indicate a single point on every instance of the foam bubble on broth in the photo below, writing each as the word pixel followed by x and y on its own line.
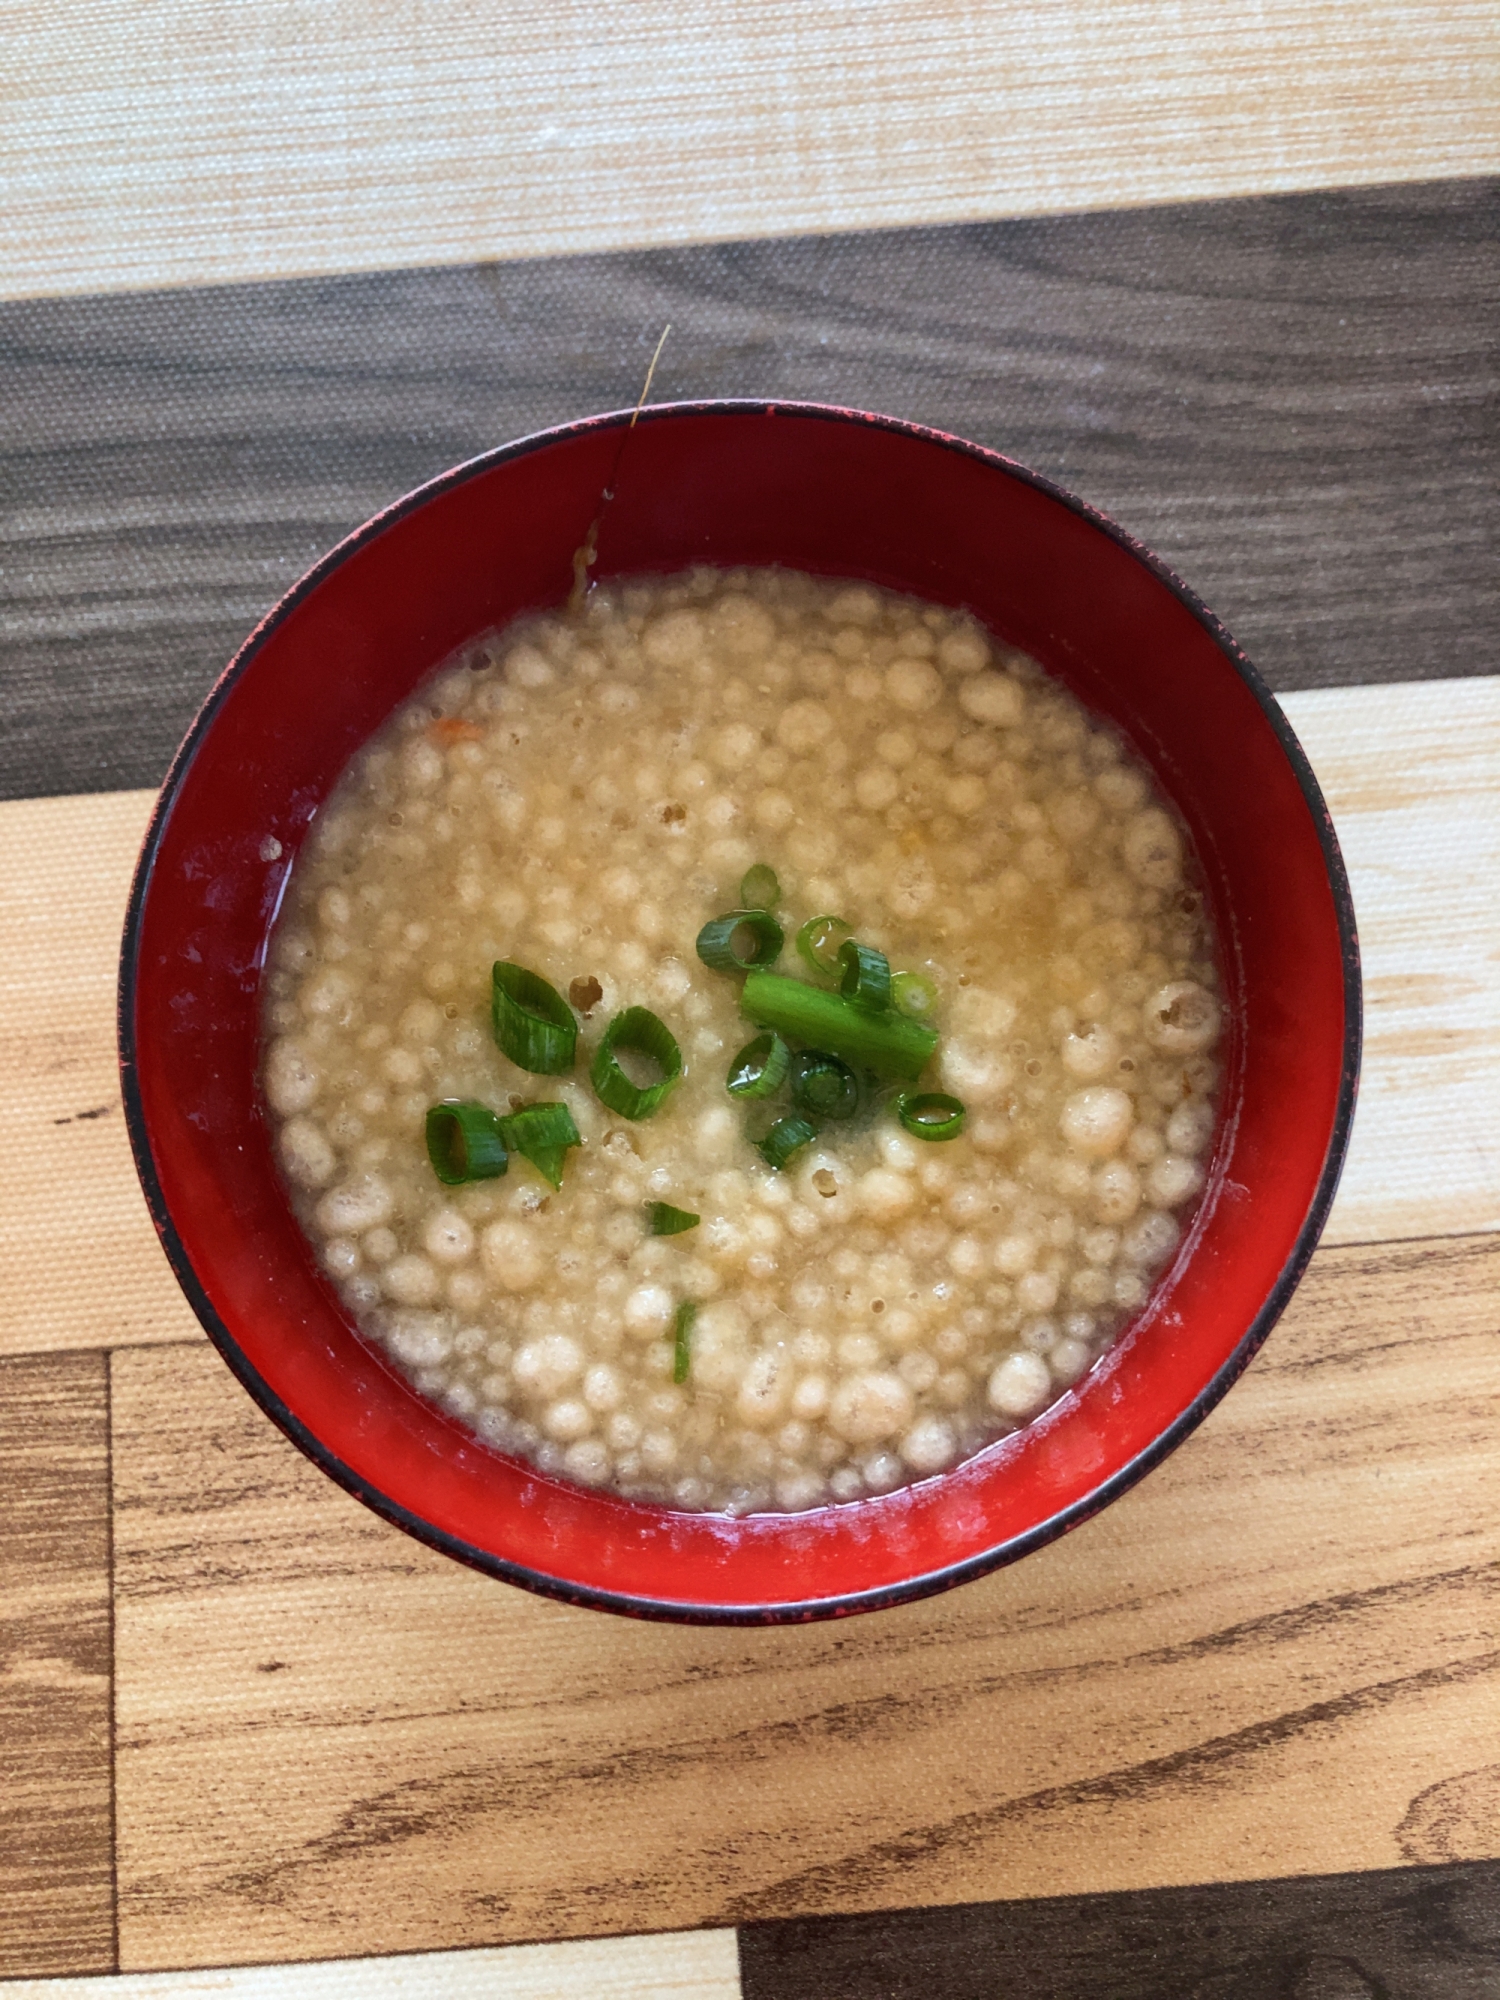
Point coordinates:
pixel 580 795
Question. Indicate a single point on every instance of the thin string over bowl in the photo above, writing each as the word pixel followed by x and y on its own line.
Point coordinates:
pixel 585 556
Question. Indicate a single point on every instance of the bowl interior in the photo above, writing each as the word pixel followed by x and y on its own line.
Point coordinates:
pixel 834 493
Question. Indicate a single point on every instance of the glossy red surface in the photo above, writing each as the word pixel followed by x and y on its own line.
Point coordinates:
pixel 813 489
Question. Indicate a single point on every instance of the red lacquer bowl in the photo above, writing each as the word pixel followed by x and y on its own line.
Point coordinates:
pixel 844 494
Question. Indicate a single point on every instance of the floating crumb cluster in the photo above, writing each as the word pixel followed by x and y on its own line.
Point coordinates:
pixel 654 1301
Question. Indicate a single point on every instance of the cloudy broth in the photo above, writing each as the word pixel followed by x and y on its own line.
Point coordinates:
pixel 579 796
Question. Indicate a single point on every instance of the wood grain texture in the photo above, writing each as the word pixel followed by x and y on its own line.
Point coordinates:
pixel 169 142
pixel 1294 400
pixel 1413 777
pixel 1262 1661
pixel 82 1264
pixel 1429 1934
pixel 681 1965
pixel 56 1878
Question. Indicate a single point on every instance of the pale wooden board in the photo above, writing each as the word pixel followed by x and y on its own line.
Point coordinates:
pixel 83 1266
pixel 1277 1655
pixel 175 141
pixel 692 1965
pixel 56 1883
pixel 1413 775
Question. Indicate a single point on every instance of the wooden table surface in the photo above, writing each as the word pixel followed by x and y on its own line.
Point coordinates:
pixel 1236 280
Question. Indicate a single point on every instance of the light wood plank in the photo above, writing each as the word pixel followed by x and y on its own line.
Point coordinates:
pixel 56 1879
pixel 82 1263
pixel 681 1965
pixel 1413 777
pixel 1262 1661
pixel 177 142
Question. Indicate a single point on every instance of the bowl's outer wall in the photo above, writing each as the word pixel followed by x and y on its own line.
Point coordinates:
pixel 817 490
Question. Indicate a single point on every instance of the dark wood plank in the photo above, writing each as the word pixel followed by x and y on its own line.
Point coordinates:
pixel 56 1841
pixel 1292 398
pixel 1392 1934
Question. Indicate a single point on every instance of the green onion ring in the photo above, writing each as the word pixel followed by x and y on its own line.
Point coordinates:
pixel 637 1028
pixel 913 994
pixel 542 1133
pixel 887 1043
pixel 818 941
pixel 865 976
pixel 664 1220
pixel 716 940
pixel 786 1137
pixel 465 1142
pixel 760 890
pixel 930 1114
pixel 824 1086
pixel 759 1068
pixel 682 1332
pixel 534 1025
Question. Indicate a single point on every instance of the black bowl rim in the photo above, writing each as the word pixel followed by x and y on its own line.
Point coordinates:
pixel 790 1611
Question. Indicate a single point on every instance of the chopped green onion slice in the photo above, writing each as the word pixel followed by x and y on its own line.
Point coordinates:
pixel 542 1133
pixel 823 1086
pixel 465 1143
pixel 533 1023
pixel 682 1333
pixel 786 1137
pixel 760 890
pixel 913 993
pixel 930 1114
pixel 866 976
pixel 664 1220
pixel 887 1043
pixel 759 1068
pixel 819 940
pixel 740 939
pixel 639 1029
